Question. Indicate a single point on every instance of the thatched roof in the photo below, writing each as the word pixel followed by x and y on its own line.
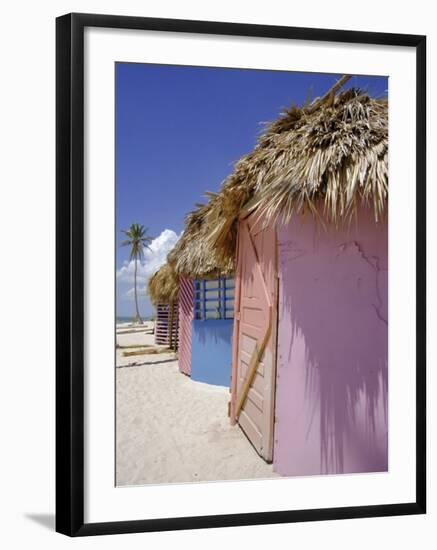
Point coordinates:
pixel 332 154
pixel 163 287
pixel 193 255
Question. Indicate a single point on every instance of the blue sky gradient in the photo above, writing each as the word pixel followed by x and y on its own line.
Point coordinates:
pixel 179 130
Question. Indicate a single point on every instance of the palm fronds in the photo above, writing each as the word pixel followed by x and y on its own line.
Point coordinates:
pixel 137 239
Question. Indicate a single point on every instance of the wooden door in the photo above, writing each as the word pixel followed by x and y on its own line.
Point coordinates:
pixel 254 350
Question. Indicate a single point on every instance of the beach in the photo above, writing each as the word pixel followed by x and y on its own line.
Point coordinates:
pixel 169 428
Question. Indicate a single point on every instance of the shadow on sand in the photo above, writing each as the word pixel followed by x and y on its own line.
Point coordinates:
pixel 45 520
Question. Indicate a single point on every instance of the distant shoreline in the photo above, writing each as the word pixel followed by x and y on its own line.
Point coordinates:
pixel 121 319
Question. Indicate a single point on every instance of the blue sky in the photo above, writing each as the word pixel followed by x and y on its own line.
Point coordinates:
pixel 179 130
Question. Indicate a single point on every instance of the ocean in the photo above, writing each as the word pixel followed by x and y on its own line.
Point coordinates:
pixel 123 319
pixel 120 319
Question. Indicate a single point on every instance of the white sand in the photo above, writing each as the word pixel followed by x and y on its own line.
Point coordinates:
pixel 134 337
pixel 172 429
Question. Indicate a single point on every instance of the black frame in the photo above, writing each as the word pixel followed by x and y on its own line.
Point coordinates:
pixel 70 277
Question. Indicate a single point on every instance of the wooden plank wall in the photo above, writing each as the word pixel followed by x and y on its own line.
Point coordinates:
pixel 162 333
pixel 186 314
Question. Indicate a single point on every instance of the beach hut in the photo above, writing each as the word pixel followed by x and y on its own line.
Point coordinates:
pixel 163 290
pixel 206 306
pixel 304 214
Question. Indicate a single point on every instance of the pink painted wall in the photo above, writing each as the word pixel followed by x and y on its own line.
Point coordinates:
pixel 186 312
pixel 331 390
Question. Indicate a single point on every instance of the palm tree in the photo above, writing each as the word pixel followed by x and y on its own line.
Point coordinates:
pixel 137 239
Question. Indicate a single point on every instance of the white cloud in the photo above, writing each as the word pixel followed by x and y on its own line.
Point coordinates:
pixel 153 259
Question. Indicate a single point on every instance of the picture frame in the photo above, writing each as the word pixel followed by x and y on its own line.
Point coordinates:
pixel 71 290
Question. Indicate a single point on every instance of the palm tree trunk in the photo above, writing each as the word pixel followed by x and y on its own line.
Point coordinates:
pixel 138 316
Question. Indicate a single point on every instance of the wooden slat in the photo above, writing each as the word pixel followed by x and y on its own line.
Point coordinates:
pixel 257 356
pixel 251 430
pixel 163 325
pixel 253 406
pixel 258 383
pixel 186 314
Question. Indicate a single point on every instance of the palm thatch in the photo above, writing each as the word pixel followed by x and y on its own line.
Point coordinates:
pixel 163 286
pixel 193 255
pixel 329 156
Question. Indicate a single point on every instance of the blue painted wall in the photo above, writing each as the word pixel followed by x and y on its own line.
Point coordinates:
pixel 212 351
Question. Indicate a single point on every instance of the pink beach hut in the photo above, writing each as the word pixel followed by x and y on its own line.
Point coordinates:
pixel 304 215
